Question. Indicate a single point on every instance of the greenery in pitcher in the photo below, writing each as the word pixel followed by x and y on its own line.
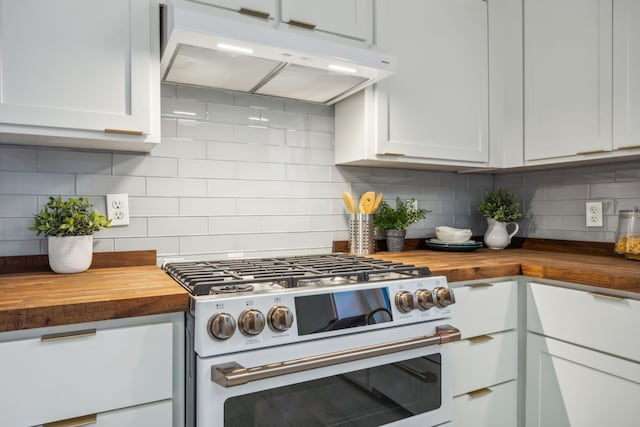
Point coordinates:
pixel 499 205
pixel 400 217
pixel 73 217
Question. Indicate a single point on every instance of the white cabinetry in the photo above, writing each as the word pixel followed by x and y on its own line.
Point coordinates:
pixel 80 73
pixel 346 18
pixel 61 373
pixel 582 63
pixel 434 109
pixel 486 359
pixel 582 358
pixel 265 9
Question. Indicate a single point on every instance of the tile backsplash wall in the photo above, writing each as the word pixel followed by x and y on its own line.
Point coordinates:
pixel 234 174
pixel 253 176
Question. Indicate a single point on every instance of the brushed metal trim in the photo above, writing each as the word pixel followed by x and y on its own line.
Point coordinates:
pixel 480 339
pixel 628 147
pixel 479 392
pixel 479 285
pixel 301 24
pixel 68 335
pixel 582 153
pixel 233 374
pixel 124 131
pixel 84 420
pixel 254 13
pixel 607 296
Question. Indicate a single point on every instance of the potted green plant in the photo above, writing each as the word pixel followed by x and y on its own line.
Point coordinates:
pixel 395 221
pixel 69 226
pixel 500 209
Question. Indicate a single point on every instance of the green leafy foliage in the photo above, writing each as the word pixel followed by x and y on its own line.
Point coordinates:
pixel 73 217
pixel 404 214
pixel 500 206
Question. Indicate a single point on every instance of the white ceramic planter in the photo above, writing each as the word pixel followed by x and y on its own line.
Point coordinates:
pixel 71 254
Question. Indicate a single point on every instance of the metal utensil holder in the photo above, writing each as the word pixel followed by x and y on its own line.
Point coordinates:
pixel 361 241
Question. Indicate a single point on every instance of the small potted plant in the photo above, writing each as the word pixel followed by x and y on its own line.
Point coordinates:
pixel 500 209
pixel 395 221
pixel 69 226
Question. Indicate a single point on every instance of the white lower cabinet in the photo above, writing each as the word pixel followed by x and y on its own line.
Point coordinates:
pixel 113 371
pixel 494 406
pixel 569 385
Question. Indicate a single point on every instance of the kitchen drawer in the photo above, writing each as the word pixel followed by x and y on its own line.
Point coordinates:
pixel 484 360
pixel 484 308
pixel 57 377
pixel 158 414
pixel 583 318
pixel 495 406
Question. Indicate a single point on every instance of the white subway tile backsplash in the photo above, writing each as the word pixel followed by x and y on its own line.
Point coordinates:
pixel 235 224
pixel 261 171
pixel 16 229
pixel 95 185
pixel 566 192
pixel 231 151
pixel 215 244
pixel 103 245
pixel 204 95
pixel 154 206
pixel 74 161
pixel 319 140
pixel 177 226
pixel 205 131
pixel 283 120
pixel 184 108
pixel 622 190
pixel 132 165
pixel 180 149
pixel 305 107
pixel 259 134
pixel 137 228
pixel 308 173
pixel 627 172
pixel 220 113
pixel 207 206
pixel 18 206
pixel 164 246
pixel 286 224
pixel 169 128
pixel 195 168
pixel 37 183
pixel 320 123
pixel 176 187
pixel 20 247
pixel 259 101
pixel 18 159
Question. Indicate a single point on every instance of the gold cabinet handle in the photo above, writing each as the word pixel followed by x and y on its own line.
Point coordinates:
pixel 480 339
pixel 124 131
pixel 254 13
pixel 479 392
pixel 301 24
pixel 388 153
pixel 628 147
pixel 74 422
pixel 582 153
pixel 607 296
pixel 68 335
pixel 479 285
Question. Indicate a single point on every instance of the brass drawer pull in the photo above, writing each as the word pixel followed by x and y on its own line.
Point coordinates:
pixel 124 131
pixel 254 13
pixel 607 296
pixel 628 147
pixel 387 153
pixel 480 338
pixel 582 153
pixel 301 24
pixel 68 335
pixel 479 285
pixel 479 392
pixel 74 422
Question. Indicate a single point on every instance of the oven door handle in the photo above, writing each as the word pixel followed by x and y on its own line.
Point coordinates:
pixel 232 374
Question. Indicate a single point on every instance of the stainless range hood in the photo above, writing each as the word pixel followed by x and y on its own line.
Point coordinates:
pixel 202 49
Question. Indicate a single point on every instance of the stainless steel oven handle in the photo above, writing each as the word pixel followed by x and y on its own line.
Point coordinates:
pixel 232 374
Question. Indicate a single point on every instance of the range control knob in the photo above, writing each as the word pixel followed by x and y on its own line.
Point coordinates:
pixel 444 297
pixel 425 299
pixel 405 301
pixel 251 321
pixel 222 326
pixel 280 318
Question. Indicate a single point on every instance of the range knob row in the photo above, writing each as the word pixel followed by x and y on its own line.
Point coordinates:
pixel 250 322
pixel 424 299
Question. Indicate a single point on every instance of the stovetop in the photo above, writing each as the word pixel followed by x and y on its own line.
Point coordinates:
pixel 260 275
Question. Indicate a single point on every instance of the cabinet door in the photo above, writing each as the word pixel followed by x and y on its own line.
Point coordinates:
pixel 263 6
pixel 569 385
pixel 494 406
pixel 76 64
pixel 349 18
pixel 626 74
pixel 567 77
pixel 436 105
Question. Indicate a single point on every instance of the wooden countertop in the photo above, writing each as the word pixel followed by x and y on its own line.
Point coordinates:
pixel 604 271
pixel 33 300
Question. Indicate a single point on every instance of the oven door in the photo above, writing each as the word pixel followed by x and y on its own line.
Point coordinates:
pixel 392 377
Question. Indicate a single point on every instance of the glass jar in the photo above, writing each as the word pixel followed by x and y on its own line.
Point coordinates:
pixel 628 234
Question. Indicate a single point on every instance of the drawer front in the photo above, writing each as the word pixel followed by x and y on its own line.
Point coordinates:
pixel 485 308
pixel 84 374
pixel 158 414
pixel 495 406
pixel 590 320
pixel 483 361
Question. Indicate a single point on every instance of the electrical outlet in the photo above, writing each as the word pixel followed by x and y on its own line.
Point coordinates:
pixel 594 214
pixel 118 209
pixel 415 204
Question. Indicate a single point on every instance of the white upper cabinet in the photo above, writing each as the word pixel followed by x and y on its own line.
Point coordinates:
pixel 80 73
pixel 434 109
pixel 265 9
pixel 347 18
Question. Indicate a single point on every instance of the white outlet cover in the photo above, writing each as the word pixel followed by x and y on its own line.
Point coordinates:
pixel 594 214
pixel 118 209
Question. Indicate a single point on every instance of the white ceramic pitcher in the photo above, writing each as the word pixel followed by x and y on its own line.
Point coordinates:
pixel 497 236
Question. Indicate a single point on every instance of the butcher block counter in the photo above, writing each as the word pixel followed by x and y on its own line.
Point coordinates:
pixel 604 271
pixel 43 298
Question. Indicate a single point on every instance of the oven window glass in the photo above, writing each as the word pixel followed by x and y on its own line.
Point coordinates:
pixel 341 310
pixel 364 398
